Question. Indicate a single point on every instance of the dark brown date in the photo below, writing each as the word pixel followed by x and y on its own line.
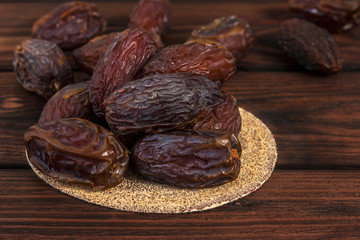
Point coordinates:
pixel 200 56
pixel 161 102
pixel 311 46
pixel 232 32
pixel 75 150
pixel 153 16
pixel 225 116
pixel 188 159
pixel 119 64
pixel 335 15
pixel 70 25
pixel 87 56
pixel 41 67
pixel 71 101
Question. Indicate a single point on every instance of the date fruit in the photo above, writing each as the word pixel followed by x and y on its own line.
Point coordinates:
pixel 188 159
pixel 225 116
pixel 71 101
pixel 120 63
pixel 204 57
pixel 77 151
pixel 232 32
pixel 335 15
pixel 41 67
pixel 70 25
pixel 311 46
pixel 161 102
pixel 87 56
pixel 153 16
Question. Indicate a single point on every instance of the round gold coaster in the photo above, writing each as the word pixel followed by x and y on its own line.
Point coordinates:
pixel 137 194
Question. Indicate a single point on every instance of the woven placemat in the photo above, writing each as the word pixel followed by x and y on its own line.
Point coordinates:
pixel 137 194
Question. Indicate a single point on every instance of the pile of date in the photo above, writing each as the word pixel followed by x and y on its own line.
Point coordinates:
pixel 159 111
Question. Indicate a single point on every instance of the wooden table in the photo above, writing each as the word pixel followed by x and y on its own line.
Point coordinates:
pixel 314 191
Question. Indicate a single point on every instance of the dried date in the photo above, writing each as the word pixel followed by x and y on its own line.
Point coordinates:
pixel 232 32
pixel 311 46
pixel 153 16
pixel 120 63
pixel 188 159
pixel 71 101
pixel 200 56
pixel 225 116
pixel 41 67
pixel 75 150
pixel 87 56
pixel 334 15
pixel 70 25
pixel 161 102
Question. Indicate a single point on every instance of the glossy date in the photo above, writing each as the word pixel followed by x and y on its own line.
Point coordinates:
pixel 87 56
pixel 311 46
pixel 71 101
pixel 232 32
pixel 335 15
pixel 161 102
pixel 120 63
pixel 41 67
pixel 225 116
pixel 200 56
pixel 188 159
pixel 70 25
pixel 153 16
pixel 77 151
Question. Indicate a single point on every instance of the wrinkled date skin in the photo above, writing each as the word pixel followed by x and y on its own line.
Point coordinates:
pixel 87 56
pixel 311 46
pixel 232 32
pixel 225 116
pixel 41 67
pixel 77 151
pixel 70 25
pixel 199 56
pixel 119 64
pixel 188 159
pixel 335 15
pixel 161 102
pixel 71 101
pixel 153 16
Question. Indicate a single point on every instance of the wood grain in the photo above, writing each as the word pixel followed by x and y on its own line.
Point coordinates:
pixel 31 208
pixel 314 192
pixel 264 19
pixel 315 120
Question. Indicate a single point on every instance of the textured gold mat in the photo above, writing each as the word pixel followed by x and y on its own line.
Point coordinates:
pixel 137 194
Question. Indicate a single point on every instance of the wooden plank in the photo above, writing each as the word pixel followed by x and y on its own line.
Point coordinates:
pixel 30 208
pixel 266 54
pixel 264 18
pixel 184 12
pixel 315 120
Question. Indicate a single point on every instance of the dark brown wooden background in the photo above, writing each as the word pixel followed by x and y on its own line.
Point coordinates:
pixel 314 191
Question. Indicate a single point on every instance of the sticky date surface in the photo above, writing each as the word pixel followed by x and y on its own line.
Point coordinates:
pixel 87 56
pixel 311 46
pixel 335 15
pixel 188 159
pixel 41 67
pixel 71 101
pixel 119 64
pixel 70 25
pixel 225 116
pixel 153 16
pixel 77 151
pixel 200 56
pixel 232 32
pixel 161 102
